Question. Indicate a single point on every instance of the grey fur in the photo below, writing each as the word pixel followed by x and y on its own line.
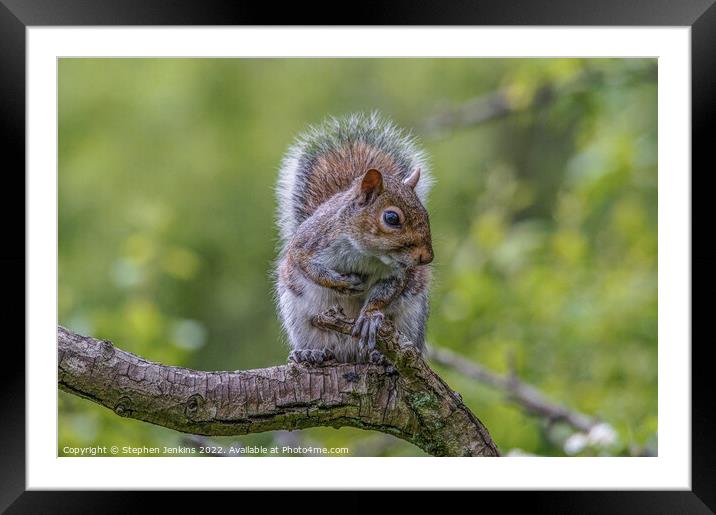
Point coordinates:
pixel 297 297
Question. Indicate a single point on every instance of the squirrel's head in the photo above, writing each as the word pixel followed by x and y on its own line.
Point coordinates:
pixel 392 223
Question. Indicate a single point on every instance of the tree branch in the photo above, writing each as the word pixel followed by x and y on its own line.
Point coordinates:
pixel 527 396
pixel 482 109
pixel 413 404
pixel 501 103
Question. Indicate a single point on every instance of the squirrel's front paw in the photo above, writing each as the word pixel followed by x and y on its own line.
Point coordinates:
pixel 352 283
pixel 366 328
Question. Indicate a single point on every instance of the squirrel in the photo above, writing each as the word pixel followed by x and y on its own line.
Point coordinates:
pixel 354 231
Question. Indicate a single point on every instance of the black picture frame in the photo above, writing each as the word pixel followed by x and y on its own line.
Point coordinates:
pixel 17 15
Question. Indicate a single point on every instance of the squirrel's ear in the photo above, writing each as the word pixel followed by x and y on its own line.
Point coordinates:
pixel 413 179
pixel 371 186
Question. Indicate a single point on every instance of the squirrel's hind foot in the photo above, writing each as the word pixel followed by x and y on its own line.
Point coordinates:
pixel 311 356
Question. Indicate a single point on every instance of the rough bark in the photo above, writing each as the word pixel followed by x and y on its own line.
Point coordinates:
pixel 414 404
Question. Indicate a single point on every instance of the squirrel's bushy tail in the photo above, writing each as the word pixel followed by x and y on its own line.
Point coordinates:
pixel 326 158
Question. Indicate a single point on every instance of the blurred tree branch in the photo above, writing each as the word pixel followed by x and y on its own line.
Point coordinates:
pixel 504 102
pixel 589 431
pixel 481 109
pixel 527 396
pixel 415 404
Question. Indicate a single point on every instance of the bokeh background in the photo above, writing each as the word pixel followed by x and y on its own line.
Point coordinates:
pixel 544 221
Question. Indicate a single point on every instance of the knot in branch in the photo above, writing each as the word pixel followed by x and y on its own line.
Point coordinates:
pixel 123 408
pixel 193 405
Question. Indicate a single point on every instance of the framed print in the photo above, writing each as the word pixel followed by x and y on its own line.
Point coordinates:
pixel 359 257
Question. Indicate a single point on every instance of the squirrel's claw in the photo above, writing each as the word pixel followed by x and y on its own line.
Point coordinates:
pixel 366 328
pixel 312 356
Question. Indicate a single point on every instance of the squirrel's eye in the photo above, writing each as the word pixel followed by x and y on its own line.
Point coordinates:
pixel 391 218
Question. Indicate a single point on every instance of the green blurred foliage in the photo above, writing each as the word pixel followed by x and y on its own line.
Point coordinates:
pixel 544 225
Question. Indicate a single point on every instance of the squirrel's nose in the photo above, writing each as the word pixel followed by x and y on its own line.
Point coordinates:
pixel 425 256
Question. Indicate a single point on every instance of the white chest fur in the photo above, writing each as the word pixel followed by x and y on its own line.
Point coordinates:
pixel 346 256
